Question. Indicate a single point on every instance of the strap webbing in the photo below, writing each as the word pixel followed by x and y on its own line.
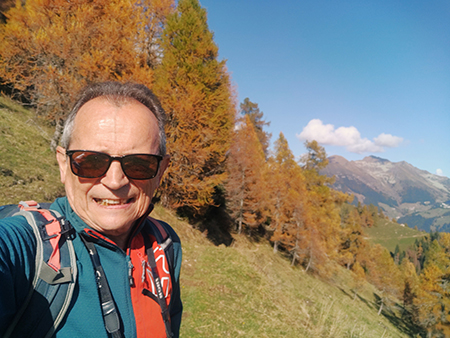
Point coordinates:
pixel 51 231
pixel 109 310
pixel 159 289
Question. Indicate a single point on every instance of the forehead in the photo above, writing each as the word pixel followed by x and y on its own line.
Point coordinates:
pixel 104 125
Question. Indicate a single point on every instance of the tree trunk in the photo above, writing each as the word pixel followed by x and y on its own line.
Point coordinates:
pixel 241 212
pixel 275 247
pixel 310 259
pixel 294 256
pixel 57 134
pixel 381 306
pixel 309 264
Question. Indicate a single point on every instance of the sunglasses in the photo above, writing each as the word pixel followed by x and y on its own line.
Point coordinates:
pixel 94 164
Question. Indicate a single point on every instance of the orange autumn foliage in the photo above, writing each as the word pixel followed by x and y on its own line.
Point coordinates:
pixel 245 185
pixel 49 49
pixel 194 88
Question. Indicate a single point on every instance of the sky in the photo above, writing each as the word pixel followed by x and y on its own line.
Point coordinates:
pixel 362 77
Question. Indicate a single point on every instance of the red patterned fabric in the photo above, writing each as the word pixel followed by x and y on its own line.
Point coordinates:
pixel 144 306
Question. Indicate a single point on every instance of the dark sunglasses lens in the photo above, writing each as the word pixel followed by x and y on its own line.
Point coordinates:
pixel 141 167
pixel 89 164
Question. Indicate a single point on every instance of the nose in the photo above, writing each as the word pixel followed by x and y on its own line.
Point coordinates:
pixel 115 178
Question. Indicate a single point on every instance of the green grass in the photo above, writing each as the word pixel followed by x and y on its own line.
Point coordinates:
pixel 389 234
pixel 244 290
pixel 28 169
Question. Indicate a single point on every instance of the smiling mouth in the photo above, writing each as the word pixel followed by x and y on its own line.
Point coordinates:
pixel 109 202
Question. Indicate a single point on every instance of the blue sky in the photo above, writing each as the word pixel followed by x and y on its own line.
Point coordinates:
pixel 361 77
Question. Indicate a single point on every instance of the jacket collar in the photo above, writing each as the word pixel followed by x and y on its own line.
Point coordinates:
pixel 63 207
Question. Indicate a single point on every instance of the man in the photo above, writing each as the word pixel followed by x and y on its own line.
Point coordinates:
pixel 111 160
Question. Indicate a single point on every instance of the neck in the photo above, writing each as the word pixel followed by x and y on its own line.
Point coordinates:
pixel 124 241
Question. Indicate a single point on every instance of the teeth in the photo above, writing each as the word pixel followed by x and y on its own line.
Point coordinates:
pixel 107 202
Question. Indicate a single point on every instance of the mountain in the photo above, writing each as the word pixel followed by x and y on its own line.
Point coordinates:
pixel 404 192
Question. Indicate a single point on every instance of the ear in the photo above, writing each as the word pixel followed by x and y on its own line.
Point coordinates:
pixel 62 162
pixel 163 166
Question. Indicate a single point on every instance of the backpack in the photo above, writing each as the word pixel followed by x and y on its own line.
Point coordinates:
pixel 56 269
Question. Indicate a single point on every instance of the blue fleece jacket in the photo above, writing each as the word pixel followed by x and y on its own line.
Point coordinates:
pixel 84 318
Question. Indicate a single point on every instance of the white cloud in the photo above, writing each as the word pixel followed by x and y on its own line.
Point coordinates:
pixel 387 140
pixel 348 137
pixel 439 172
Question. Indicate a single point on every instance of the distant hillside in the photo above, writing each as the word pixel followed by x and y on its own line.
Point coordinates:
pixel 411 195
pixel 390 234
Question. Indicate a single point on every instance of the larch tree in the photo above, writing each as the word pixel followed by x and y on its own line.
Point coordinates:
pixel 194 88
pixel 433 295
pixel 352 238
pixel 277 190
pixel 366 216
pixel 382 272
pixel 430 298
pixel 301 222
pixel 411 283
pixel 256 116
pixel 444 241
pixel 288 204
pixel 245 185
pixel 437 255
pixel 325 203
pixel 359 278
pixel 5 5
pixel 50 49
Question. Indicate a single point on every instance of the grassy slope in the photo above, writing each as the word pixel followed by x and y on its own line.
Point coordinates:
pixel 236 291
pixel 389 234
pixel 247 290
pixel 28 169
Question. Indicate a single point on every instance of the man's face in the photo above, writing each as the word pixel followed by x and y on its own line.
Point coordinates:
pixel 112 203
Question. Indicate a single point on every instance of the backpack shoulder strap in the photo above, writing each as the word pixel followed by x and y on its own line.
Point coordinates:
pixel 168 240
pixel 54 276
pixel 164 239
pixel 161 233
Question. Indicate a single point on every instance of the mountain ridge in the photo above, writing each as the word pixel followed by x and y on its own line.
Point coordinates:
pixel 403 191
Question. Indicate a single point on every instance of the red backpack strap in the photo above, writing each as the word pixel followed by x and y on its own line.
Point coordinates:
pixel 55 274
pixel 51 231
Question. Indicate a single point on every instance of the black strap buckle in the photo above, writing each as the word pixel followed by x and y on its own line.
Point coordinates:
pixel 65 226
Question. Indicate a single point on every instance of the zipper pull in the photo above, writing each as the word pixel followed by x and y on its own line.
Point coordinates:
pixel 130 273
pixel 143 271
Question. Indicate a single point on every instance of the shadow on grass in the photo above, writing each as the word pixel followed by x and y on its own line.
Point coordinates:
pixel 368 303
pixel 400 319
pixel 216 224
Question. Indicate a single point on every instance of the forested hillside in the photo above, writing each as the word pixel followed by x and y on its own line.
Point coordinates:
pixel 242 289
pixel 224 179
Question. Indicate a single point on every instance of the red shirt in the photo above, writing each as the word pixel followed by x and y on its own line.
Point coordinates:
pixel 147 312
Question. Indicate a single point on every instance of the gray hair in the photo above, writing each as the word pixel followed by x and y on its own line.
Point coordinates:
pixel 118 94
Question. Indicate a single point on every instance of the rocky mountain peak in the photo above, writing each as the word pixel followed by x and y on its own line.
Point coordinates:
pixel 374 159
pixel 398 187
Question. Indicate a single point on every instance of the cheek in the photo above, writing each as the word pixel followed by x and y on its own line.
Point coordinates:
pixel 147 188
pixel 76 191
